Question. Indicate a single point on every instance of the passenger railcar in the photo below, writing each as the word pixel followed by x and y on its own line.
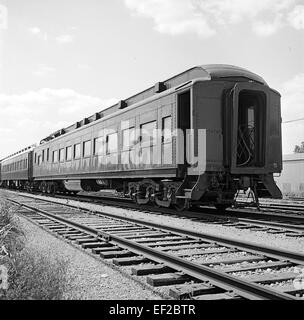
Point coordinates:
pixel 204 134
pixel 16 170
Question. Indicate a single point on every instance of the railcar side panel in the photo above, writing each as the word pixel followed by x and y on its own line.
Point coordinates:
pixel 112 164
pixel 16 169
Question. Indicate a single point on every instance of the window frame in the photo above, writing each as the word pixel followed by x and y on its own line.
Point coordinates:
pixel 95 153
pixel 55 152
pixel 164 140
pixel 88 155
pixel 61 155
pixel 66 153
pixel 108 152
pixel 153 142
pixel 131 144
pixel 75 157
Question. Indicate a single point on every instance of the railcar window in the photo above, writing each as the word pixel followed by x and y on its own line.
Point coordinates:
pixel 77 151
pixel 61 155
pixel 42 155
pixel 48 154
pixel 167 141
pixel 148 138
pixel 128 138
pixel 112 143
pixel 39 160
pixel 148 134
pixel 98 146
pixel 35 157
pixel 68 153
pixel 87 149
pixel 167 132
pixel 55 156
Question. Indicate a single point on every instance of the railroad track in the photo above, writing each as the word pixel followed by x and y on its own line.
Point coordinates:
pixel 189 264
pixel 269 222
pixel 284 207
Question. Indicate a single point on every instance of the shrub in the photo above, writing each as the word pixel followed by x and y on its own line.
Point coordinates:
pixel 11 236
pixel 35 277
pixel 32 275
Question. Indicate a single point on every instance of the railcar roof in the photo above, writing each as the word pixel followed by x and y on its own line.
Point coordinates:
pixel 19 153
pixel 221 71
pixel 204 72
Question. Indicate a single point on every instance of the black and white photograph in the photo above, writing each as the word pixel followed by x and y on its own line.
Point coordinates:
pixel 152 153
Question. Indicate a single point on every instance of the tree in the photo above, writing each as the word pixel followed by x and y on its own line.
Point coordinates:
pixel 299 149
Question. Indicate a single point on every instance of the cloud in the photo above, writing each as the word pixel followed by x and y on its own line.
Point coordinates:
pixel 266 29
pixel 43 71
pixel 292 109
pixel 31 116
pixel 34 30
pixel 65 38
pixel 296 17
pixel 206 17
pixel 37 32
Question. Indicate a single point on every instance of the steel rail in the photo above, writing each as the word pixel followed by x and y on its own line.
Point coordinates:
pixel 252 247
pixel 241 214
pixel 243 288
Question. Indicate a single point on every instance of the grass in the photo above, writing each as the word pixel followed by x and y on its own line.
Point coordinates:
pixel 31 274
pixel 11 236
pixel 35 277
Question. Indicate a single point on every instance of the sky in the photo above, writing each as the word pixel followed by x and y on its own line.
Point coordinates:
pixel 62 60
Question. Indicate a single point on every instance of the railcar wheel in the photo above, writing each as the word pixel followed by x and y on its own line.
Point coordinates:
pixel 156 196
pixel 132 194
pixel 182 204
pixel 44 188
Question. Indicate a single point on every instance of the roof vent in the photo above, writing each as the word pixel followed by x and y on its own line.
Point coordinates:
pixel 85 121
pixel 122 104
pixel 96 116
pixel 77 125
pixel 160 87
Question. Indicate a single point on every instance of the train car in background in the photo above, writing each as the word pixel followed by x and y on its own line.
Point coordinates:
pixel 291 181
pixel 17 169
pixel 238 112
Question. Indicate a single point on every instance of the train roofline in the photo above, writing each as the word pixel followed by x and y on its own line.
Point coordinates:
pixel 222 71
pixel 207 72
pixel 18 153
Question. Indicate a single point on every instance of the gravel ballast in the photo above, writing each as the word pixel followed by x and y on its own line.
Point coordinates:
pixel 279 241
pixel 89 278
